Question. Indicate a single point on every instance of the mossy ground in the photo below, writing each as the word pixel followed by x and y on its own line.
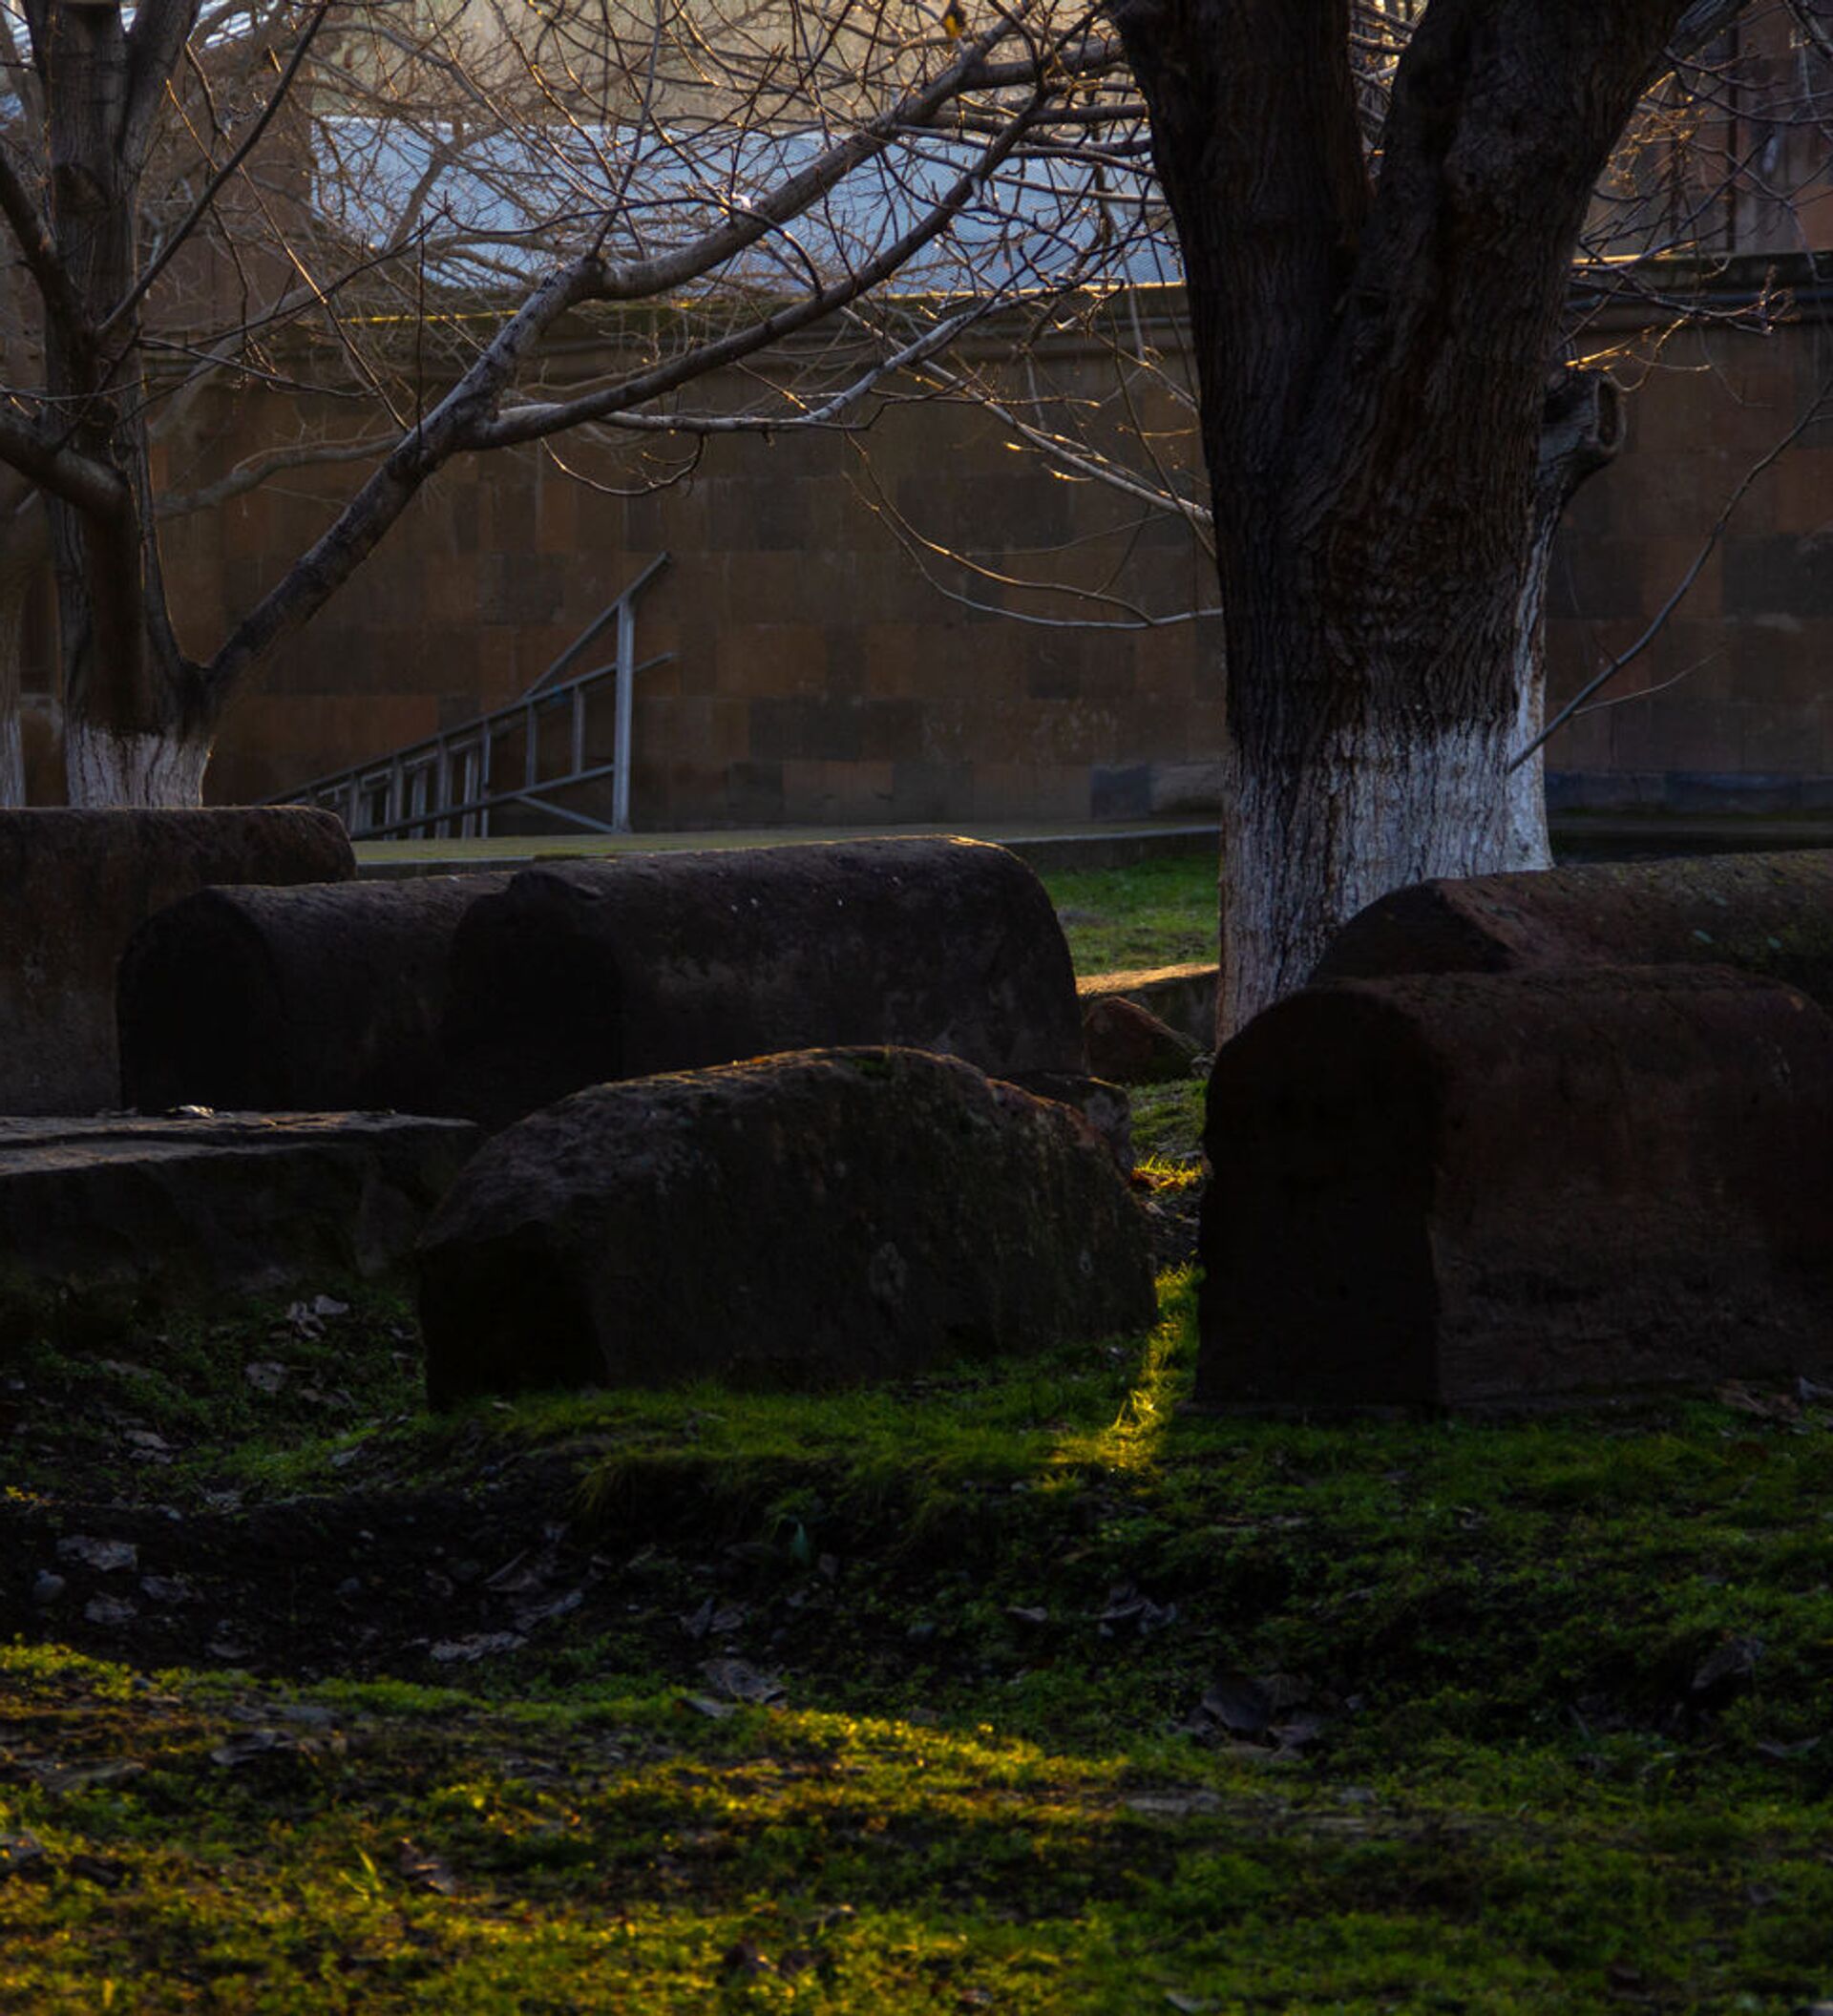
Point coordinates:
pixel 1087 1702
pixel 1158 912
pixel 1020 1690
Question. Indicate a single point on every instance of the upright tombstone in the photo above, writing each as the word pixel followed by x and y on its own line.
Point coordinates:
pixel 1476 1190
pixel 584 972
pixel 323 998
pixel 75 884
pixel 1764 913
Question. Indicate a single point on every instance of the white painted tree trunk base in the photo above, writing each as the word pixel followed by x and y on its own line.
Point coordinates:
pixel 104 768
pixel 1365 819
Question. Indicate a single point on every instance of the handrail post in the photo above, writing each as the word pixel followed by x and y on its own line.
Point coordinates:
pixel 626 681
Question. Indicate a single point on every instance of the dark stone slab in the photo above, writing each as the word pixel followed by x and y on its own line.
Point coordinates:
pixel 75 885
pixel 147 1213
pixel 323 998
pixel 1764 913
pixel 583 971
pixel 822 1217
pixel 1482 1190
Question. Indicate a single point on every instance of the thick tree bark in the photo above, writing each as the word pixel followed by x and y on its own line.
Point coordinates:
pixel 127 690
pixel 1372 359
pixel 22 555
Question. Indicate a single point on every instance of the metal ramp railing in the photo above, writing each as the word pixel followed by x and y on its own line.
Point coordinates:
pixel 445 786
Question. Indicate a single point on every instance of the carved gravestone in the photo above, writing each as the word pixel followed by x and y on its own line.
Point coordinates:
pixel 327 998
pixel 815 1218
pixel 584 972
pixel 74 885
pixel 1764 913
pixel 1473 1190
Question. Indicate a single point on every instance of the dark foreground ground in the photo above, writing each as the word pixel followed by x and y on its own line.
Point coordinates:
pixel 1020 1690
pixel 1017 1690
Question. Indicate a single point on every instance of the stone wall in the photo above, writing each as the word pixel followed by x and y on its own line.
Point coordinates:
pixel 816 676
pixel 1731 705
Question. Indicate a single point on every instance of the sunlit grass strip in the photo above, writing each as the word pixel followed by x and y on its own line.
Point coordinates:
pixel 618 1853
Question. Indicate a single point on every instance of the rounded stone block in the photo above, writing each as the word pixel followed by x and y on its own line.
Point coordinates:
pixel 824 1217
pixel 1764 913
pixel 584 972
pixel 76 884
pixel 323 998
pixel 1496 1190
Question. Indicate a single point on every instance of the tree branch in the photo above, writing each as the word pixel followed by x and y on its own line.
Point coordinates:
pixel 208 195
pixel 87 485
pixel 154 43
pixel 32 235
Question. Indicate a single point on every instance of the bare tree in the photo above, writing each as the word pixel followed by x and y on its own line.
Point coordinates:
pixel 1379 208
pixel 408 207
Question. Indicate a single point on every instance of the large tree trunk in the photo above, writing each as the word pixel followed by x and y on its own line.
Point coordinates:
pixel 137 725
pixel 22 555
pixel 1373 358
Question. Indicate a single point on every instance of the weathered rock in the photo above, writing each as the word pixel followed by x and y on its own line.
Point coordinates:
pixel 74 885
pixel 583 971
pixel 821 1217
pixel 1182 997
pixel 1130 1044
pixel 326 998
pixel 1102 1103
pixel 1476 1191
pixel 140 1213
pixel 1764 913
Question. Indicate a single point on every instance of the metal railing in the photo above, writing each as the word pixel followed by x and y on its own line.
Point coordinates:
pixel 445 786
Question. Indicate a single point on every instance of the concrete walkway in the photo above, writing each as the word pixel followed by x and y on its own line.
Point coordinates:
pixel 1044 845
pixel 1068 845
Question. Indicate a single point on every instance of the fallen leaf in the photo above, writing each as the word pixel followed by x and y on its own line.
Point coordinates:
pixel 252 1744
pixel 110 1610
pixel 482 1645
pixel 93 1869
pixel 1174 1805
pixel 104 1556
pixel 85 1777
pixel 542 1612
pixel 424 1871
pixel 737 1681
pixel 22 1855
pixel 1750 1400
pixel 713 1619
pixel 265 1375
pixel 167 1588
pixel 1727 1666
pixel 705 1705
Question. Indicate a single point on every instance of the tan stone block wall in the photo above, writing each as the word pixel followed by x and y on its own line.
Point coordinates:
pixel 1733 700
pixel 815 674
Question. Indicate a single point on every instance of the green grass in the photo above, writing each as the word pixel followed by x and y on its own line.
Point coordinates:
pixel 1160 912
pixel 1521 1772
